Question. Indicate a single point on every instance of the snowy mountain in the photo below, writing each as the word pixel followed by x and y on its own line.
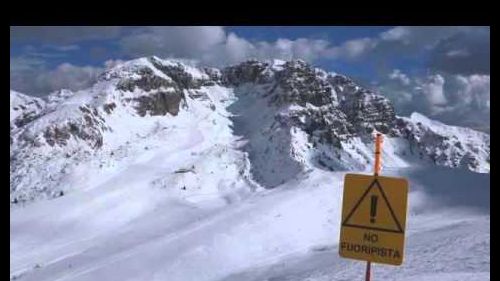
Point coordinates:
pixel 166 171
pixel 23 109
pixel 292 117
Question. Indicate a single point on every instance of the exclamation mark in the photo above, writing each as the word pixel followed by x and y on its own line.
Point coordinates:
pixel 373 209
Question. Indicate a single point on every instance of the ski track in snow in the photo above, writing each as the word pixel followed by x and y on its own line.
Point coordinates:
pixel 260 239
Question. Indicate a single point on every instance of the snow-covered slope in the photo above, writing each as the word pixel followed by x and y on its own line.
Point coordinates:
pixel 446 145
pixel 165 171
pixel 121 231
pixel 23 109
pixel 292 116
pixel 92 133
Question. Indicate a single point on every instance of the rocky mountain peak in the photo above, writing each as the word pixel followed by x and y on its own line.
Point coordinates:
pixel 292 114
pixel 23 110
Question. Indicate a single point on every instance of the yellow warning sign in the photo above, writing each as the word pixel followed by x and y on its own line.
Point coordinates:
pixel 373 218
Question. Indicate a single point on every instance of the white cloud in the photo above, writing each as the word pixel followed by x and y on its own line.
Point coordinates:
pixel 466 53
pixel 473 90
pixel 422 36
pixel 433 90
pixel 397 75
pixel 399 33
pixel 462 100
pixel 454 50
pixel 235 49
pixel 68 76
pixel 31 76
pixel 457 53
pixel 65 48
pixel 351 49
pixel 21 64
pixel 354 48
pixel 63 34
pixel 308 49
pixel 213 46
pixel 112 63
pixel 301 48
pixel 185 42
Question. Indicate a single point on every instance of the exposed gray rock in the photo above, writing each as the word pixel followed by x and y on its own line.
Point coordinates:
pixel 364 109
pixel 147 82
pixel 251 71
pixel 108 108
pixel 159 103
pixel 439 148
pixel 89 129
pixel 24 109
pixel 215 76
pixel 177 72
pixel 299 84
pixel 340 107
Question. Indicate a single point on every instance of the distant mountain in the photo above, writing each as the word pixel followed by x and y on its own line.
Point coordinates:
pixel 273 120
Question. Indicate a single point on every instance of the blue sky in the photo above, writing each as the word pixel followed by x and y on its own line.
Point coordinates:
pixel 94 52
pixel 337 34
pixel 84 55
pixel 439 71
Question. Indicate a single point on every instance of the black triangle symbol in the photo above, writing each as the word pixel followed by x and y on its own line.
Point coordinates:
pixel 374 183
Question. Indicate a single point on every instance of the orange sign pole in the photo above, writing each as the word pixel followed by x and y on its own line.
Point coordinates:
pixel 376 171
pixel 378 154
